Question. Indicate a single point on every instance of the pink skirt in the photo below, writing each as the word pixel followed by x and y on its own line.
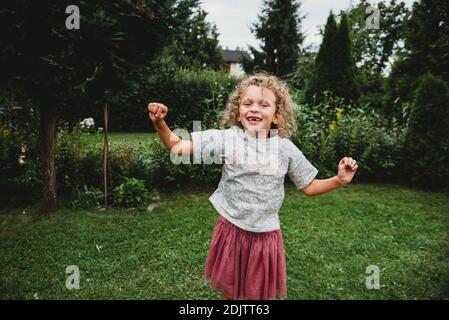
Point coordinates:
pixel 246 265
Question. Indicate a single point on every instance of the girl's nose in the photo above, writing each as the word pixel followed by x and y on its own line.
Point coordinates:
pixel 254 107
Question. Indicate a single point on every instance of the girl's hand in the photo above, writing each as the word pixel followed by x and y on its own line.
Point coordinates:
pixel 157 111
pixel 346 169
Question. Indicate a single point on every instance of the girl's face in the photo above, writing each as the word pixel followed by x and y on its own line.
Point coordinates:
pixel 257 110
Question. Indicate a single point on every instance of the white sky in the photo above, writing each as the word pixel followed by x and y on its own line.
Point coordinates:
pixel 233 18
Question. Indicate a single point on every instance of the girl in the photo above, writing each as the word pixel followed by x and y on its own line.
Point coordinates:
pixel 246 257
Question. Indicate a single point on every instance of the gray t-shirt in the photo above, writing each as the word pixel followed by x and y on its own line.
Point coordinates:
pixel 251 189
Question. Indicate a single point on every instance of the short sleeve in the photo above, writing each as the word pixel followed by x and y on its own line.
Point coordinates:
pixel 300 171
pixel 207 146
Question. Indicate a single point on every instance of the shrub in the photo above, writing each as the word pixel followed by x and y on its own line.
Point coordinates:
pixel 132 193
pixel 332 130
pixel 192 96
pixel 120 161
pixel 20 168
pixel 189 95
pixel 68 157
pixel 87 197
pixel 171 176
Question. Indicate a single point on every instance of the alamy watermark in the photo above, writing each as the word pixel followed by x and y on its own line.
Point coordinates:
pixel 73 20
pixel 224 146
pixel 373 278
pixel 373 19
pixel 73 280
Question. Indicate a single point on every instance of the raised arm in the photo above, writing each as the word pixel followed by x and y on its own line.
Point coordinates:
pixel 157 113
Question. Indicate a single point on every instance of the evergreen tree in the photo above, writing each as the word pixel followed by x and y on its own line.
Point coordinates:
pixel 427 135
pixel 279 30
pixel 346 86
pixel 427 37
pixel 426 50
pixel 303 70
pixel 323 73
pixel 196 46
pixel 334 68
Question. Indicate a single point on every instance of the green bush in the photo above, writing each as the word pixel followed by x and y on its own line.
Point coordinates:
pixel 189 96
pixel 427 134
pixel 68 157
pixel 332 130
pixel 325 133
pixel 167 175
pixel 120 161
pixel 132 193
pixel 87 197
pixel 20 169
pixel 90 167
pixel 192 96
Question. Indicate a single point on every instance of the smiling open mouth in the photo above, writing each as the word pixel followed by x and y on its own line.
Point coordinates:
pixel 253 119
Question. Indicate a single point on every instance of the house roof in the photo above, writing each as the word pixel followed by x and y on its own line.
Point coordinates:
pixel 235 55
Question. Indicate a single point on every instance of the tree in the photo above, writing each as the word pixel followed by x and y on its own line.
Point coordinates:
pixel 426 50
pixel 303 70
pixel 58 67
pixel 334 68
pixel 346 85
pixel 427 134
pixel 196 45
pixel 375 49
pixel 279 30
pixel 323 72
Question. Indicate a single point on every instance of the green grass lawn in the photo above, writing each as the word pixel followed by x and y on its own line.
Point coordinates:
pixel 330 240
pixel 119 138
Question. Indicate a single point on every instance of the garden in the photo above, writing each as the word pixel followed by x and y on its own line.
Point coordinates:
pixel 85 180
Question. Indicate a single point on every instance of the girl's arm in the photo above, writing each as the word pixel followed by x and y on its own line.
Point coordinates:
pixel 172 142
pixel 346 170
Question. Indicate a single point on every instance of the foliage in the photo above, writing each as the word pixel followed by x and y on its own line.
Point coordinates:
pixel 427 134
pixel 132 193
pixel 20 179
pixel 334 68
pixel 302 72
pixel 172 175
pixel 196 45
pixel 190 96
pixel 279 30
pixel 87 197
pixel 59 69
pixel 373 48
pixel 332 130
pixel 426 50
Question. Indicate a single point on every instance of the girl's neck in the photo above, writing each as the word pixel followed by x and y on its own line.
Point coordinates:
pixel 263 134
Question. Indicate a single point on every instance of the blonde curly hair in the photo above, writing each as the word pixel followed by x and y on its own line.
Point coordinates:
pixel 284 105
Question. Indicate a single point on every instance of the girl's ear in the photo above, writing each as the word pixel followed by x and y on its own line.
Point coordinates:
pixel 275 118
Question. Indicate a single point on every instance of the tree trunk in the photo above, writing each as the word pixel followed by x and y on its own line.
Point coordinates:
pixel 48 124
pixel 106 168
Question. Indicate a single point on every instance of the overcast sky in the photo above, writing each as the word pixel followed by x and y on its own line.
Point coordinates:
pixel 233 18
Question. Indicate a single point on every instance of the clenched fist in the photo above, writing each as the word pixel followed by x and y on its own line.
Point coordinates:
pixel 157 111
